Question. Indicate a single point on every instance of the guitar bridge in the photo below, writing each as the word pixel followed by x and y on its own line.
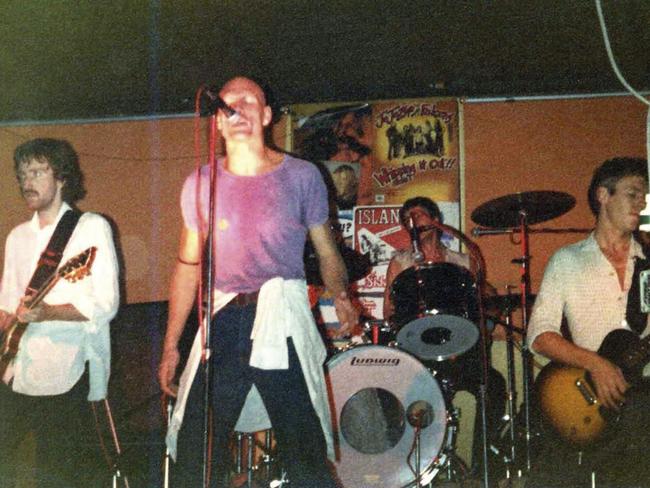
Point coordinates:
pixel 586 391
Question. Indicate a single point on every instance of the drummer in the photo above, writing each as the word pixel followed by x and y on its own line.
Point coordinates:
pixel 423 212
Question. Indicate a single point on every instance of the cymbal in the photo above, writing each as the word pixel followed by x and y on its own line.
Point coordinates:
pixel 538 206
pixel 505 302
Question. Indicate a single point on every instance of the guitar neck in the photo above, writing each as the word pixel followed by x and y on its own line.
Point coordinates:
pixel 40 294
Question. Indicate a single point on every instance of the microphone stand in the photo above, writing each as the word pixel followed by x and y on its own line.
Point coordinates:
pixel 418 257
pixel 475 252
pixel 205 293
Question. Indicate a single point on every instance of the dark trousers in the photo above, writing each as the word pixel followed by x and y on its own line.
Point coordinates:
pixel 619 459
pixel 299 437
pixel 67 452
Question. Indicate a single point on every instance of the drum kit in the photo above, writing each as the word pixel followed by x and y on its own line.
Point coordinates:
pixel 394 423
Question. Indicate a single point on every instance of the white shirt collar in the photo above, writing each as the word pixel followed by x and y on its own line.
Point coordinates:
pixel 35 225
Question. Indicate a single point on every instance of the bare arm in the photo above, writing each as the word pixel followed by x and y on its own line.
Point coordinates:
pixel 393 270
pixel 334 276
pixel 608 378
pixel 44 312
pixel 182 295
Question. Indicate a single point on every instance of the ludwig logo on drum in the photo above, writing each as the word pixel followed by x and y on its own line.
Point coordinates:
pixel 374 361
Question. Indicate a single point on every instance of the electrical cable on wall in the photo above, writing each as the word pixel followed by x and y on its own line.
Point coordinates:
pixel 644 222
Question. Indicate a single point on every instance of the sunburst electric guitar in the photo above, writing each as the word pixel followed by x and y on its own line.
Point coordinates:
pixel 567 395
pixel 76 268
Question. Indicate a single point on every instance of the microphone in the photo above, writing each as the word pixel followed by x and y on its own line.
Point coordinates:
pixel 214 102
pixel 420 414
pixel 418 257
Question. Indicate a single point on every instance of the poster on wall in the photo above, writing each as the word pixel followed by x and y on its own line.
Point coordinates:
pixel 415 151
pixel 375 156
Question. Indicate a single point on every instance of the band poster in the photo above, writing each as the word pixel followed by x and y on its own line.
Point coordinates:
pixel 374 157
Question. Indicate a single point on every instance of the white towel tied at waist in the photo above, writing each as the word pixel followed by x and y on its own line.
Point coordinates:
pixel 273 324
pixel 282 311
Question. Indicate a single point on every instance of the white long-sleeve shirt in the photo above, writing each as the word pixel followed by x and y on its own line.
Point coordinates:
pixel 52 355
pixel 581 284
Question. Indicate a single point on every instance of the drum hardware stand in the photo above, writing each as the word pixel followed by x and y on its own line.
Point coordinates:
pixel 527 369
pixel 417 455
pixel 249 459
pixel 416 420
pixel 374 328
pixel 281 482
pixel 511 459
pixel 453 463
pixel 527 357
pixel 169 406
pixel 265 461
pixel 475 252
pixel 116 472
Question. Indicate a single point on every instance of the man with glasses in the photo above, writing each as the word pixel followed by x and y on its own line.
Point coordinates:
pixel 63 357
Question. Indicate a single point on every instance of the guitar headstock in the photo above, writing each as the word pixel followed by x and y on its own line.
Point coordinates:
pixel 78 267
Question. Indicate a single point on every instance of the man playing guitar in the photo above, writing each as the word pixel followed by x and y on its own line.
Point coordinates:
pixel 588 284
pixel 62 360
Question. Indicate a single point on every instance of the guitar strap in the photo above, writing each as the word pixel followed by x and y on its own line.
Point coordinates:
pixel 636 319
pixel 51 257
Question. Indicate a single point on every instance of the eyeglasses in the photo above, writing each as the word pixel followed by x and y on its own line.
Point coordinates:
pixel 32 174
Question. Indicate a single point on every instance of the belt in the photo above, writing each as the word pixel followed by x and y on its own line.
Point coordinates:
pixel 243 299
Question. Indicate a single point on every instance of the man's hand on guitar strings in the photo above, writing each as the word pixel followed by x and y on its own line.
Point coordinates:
pixel 37 313
pixel 609 382
pixel 5 320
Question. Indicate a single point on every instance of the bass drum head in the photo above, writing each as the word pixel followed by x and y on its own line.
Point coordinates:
pixel 379 395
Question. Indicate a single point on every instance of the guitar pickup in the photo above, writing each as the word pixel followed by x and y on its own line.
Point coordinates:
pixel 586 391
pixel 644 289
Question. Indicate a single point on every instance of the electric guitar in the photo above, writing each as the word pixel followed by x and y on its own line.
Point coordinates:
pixel 76 268
pixel 567 396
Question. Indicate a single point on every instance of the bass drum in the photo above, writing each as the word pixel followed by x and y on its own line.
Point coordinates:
pixel 380 396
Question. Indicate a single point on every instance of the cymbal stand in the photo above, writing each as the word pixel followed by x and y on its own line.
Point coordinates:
pixel 510 458
pixel 526 356
pixel 524 262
